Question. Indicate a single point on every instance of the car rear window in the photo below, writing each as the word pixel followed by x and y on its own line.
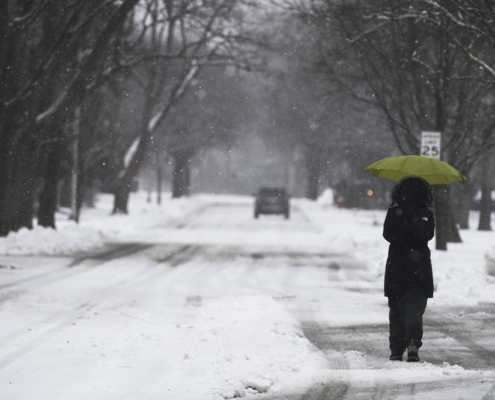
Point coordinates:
pixel 272 192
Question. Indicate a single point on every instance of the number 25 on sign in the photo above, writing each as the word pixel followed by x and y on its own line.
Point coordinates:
pixel 430 144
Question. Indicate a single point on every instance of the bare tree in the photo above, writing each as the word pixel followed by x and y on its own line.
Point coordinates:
pixel 193 35
pixel 52 56
pixel 414 75
pixel 312 118
pixel 211 115
pixel 467 25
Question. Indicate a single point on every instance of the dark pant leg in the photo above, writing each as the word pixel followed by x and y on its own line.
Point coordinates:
pixel 415 306
pixel 397 318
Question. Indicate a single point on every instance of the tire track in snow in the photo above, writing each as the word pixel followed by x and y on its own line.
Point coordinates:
pixel 58 327
pixel 118 251
pixel 467 352
pixel 490 395
pixel 65 319
pixel 345 390
pixel 59 322
pixel 180 256
pixel 333 391
pixel 193 279
pixel 43 278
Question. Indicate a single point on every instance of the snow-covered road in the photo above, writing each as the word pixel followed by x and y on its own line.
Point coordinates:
pixel 214 304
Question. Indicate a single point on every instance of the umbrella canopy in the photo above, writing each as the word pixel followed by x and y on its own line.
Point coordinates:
pixel 434 171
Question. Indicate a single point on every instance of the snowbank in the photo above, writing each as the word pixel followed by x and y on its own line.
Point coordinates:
pixel 462 273
pixel 248 345
pixel 47 241
pixel 96 226
pixel 326 198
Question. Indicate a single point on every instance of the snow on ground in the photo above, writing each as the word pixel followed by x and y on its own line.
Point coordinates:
pixel 239 335
pixel 97 225
pixel 47 241
pixel 460 273
pixel 249 345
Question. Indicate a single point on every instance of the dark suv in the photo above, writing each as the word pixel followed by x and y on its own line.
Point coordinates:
pixel 271 201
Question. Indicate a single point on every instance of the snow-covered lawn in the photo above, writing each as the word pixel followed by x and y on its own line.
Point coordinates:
pixel 225 323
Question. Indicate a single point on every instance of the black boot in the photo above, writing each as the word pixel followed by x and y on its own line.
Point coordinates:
pixel 412 352
pixel 397 350
pixel 396 357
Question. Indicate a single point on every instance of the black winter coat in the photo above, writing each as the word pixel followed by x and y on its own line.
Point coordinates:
pixel 408 228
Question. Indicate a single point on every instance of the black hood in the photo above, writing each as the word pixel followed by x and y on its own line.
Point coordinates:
pixel 413 191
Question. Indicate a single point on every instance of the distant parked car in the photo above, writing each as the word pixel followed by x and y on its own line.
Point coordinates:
pixel 272 201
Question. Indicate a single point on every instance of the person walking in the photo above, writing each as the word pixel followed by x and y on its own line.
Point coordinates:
pixel 408 227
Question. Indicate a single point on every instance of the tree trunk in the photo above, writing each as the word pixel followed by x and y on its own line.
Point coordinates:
pixel 485 209
pixel 453 235
pixel 313 168
pixel 181 185
pixel 5 185
pixel 82 189
pixel 75 184
pixel 158 178
pixel 22 183
pixel 487 167
pixel 17 199
pixel 147 174
pixel 49 193
pixel 89 194
pixel 64 193
pixel 124 181
pixel 26 186
pixel 121 199
pixel 464 204
pixel 446 227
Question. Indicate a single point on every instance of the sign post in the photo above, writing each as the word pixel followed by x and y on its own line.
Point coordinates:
pixel 430 144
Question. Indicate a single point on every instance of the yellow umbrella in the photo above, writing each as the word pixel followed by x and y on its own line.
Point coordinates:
pixel 434 171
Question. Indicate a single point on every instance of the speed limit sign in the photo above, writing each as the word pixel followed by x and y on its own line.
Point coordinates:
pixel 430 144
